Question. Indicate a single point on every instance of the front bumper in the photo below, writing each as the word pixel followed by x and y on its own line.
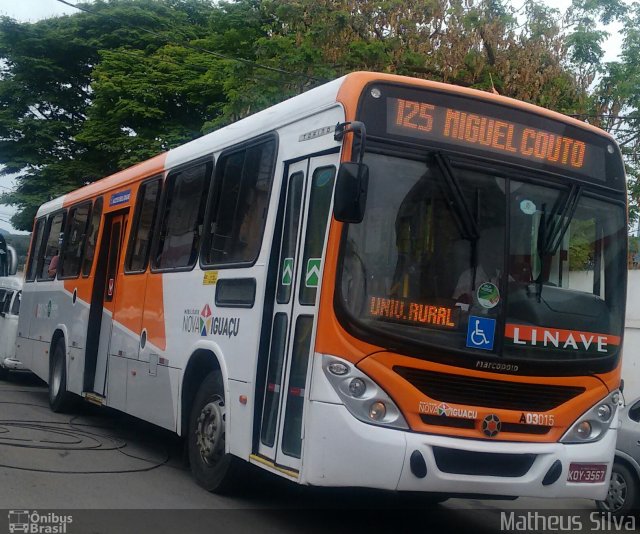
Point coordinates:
pixel 339 450
pixel 12 363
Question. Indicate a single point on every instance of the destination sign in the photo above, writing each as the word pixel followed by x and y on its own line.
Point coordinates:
pixel 427 120
pixel 404 310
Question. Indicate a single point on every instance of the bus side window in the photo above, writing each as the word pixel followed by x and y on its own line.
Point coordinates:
pixel 52 245
pixel 144 222
pixel 74 241
pixel 92 237
pixel 185 200
pixel 243 185
pixel 36 246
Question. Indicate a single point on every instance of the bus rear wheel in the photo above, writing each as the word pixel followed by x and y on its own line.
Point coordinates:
pixel 60 400
pixel 213 468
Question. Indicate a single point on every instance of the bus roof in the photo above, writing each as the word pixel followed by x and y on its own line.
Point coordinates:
pixel 345 90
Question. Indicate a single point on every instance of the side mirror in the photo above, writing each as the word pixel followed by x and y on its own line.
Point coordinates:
pixel 12 261
pixel 352 184
pixel 351 192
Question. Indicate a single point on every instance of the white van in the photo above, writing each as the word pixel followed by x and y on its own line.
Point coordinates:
pixel 10 296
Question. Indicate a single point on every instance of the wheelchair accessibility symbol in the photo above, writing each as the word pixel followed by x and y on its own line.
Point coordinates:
pixel 480 333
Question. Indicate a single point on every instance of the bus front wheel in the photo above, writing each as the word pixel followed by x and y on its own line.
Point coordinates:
pixel 213 468
pixel 60 399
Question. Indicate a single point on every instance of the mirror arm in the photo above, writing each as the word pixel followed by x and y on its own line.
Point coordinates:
pixel 12 261
pixel 355 127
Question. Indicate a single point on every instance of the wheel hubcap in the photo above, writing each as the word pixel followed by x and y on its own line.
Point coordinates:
pixel 617 493
pixel 210 431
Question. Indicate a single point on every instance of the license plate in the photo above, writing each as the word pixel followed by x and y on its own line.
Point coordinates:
pixel 587 473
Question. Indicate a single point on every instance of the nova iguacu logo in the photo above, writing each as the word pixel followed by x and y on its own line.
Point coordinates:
pixel 202 323
pixel 443 409
pixel 196 321
pixel 225 326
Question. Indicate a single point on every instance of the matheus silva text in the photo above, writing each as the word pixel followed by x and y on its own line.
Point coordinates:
pixel 535 521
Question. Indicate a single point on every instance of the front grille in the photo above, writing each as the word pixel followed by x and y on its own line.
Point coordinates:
pixel 443 420
pixel 460 422
pixel 517 428
pixel 473 391
pixel 490 464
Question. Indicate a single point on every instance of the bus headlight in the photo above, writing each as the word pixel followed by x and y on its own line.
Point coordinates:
pixel 593 424
pixel 362 396
pixel 357 387
pixel 338 368
pixel 377 411
pixel 604 412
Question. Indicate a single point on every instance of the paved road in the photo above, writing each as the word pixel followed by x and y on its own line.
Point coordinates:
pixel 133 477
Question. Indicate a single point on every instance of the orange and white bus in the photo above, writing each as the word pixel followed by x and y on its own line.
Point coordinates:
pixel 383 282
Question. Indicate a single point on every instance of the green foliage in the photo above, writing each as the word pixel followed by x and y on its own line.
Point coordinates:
pixel 581 244
pixel 615 102
pixel 85 95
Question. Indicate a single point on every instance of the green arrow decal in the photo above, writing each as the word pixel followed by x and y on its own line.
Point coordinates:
pixel 287 271
pixel 312 278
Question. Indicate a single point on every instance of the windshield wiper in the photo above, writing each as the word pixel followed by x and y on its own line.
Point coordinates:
pixel 465 220
pixel 552 230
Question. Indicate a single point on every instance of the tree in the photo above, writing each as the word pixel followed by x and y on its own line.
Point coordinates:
pixel 616 104
pixel 69 115
pixel 611 90
pixel 85 95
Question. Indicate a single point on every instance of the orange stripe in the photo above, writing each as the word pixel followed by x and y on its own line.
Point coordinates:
pixel 116 181
pixel 526 333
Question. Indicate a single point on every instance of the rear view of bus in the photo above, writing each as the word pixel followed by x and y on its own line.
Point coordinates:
pixel 473 318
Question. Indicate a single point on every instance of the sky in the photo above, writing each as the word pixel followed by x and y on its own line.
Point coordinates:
pixel 34 10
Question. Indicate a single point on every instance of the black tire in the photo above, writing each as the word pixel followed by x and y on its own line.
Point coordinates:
pixel 212 468
pixel 60 400
pixel 434 499
pixel 622 496
pixel 422 500
pixel 4 373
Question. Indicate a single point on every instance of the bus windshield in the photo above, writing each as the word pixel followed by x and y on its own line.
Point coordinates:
pixel 456 256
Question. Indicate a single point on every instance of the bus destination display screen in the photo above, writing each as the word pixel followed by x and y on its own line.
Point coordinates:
pixel 404 310
pixel 499 135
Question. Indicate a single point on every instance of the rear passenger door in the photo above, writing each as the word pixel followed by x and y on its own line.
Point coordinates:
pixel 106 293
pixel 132 278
